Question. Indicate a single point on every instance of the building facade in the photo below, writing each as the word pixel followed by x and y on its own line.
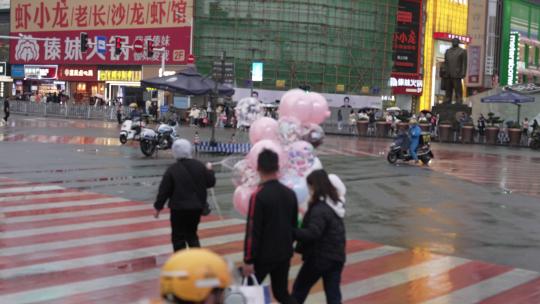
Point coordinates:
pixel 329 46
pixel 520 42
pixel 445 20
pixel 48 58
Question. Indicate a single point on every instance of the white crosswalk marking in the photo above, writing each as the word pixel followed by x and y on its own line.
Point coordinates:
pixel 120 237
pixel 485 289
pixel 29 189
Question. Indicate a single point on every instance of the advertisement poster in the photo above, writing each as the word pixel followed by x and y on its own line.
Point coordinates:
pixel 406 44
pixel 58 24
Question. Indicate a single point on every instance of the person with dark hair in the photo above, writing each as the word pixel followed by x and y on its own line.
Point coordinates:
pixel 272 217
pixel 321 240
pixel 6 110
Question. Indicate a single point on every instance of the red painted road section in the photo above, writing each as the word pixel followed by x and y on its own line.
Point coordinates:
pixel 90 269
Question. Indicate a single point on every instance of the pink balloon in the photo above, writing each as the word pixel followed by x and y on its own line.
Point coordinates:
pixel 253 155
pixel 263 128
pixel 302 109
pixel 286 104
pixel 320 109
pixel 241 198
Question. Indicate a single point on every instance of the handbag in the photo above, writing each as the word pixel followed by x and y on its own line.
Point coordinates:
pixel 206 210
pixel 255 294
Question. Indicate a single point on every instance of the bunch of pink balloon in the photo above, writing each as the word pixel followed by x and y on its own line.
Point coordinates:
pixel 293 137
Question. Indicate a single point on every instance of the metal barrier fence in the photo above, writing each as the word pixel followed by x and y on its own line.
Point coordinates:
pixel 66 110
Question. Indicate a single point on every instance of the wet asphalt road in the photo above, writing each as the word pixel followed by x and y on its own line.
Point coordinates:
pixel 475 202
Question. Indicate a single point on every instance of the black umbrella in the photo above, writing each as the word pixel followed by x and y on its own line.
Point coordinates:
pixel 187 82
pixel 509 97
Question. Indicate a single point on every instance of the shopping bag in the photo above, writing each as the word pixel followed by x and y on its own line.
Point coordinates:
pixel 255 294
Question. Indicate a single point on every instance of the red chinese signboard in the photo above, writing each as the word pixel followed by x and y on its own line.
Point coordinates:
pixel 165 22
pixel 407 37
pixel 78 73
pixel 448 36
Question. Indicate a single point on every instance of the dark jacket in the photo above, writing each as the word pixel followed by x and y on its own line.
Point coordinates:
pixel 455 61
pixel 6 106
pixel 322 236
pixel 272 217
pixel 184 184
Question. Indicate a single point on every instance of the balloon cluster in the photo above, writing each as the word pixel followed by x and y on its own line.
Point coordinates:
pixel 247 111
pixel 293 137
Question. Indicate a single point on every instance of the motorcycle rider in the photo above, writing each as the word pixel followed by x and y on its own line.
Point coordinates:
pixel 414 135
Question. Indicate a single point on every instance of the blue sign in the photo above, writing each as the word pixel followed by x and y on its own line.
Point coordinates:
pixel 101 42
pixel 257 71
pixel 17 70
pixel 164 109
pixel 181 102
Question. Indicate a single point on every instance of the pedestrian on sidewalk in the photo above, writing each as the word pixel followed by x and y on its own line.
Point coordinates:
pixel 6 110
pixel 321 240
pixel 481 128
pixel 119 112
pixel 184 186
pixel 272 217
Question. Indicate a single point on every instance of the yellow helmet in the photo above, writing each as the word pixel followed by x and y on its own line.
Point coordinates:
pixel 191 275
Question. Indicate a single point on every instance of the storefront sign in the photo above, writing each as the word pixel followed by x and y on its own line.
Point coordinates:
pixel 406 86
pixel 448 36
pixel 406 45
pixel 17 70
pixel 134 21
pixel 40 71
pixel 119 75
pixel 513 58
pixel 78 73
pixel 476 28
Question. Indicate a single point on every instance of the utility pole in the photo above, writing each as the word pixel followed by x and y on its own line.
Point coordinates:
pixel 214 98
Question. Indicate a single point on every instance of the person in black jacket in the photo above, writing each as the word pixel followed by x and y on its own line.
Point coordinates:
pixel 6 110
pixel 272 217
pixel 184 185
pixel 321 240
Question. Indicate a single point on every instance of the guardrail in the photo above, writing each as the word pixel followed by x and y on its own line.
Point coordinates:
pixel 65 110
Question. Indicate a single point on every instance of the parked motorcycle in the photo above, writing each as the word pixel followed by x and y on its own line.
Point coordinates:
pixel 160 139
pixel 400 149
pixel 535 140
pixel 130 130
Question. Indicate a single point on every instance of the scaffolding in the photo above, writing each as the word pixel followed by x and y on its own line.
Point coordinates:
pixel 328 45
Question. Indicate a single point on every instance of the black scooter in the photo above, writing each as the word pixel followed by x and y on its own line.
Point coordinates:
pixel 400 149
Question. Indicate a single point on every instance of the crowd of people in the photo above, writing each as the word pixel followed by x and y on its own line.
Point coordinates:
pixel 273 232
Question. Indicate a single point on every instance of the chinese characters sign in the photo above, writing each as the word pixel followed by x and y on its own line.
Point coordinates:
pixel 124 75
pixel 406 43
pixel 78 73
pixel 165 22
pixel 82 15
pixel 406 86
pixel 40 71
pixel 65 47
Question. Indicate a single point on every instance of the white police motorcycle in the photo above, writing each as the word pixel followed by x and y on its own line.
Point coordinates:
pixel 160 139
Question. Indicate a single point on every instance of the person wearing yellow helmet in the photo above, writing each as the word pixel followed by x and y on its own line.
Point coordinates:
pixel 194 276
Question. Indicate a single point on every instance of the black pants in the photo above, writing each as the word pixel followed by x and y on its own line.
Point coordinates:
pixel 279 276
pixel 454 85
pixel 119 118
pixel 6 116
pixel 311 272
pixel 184 225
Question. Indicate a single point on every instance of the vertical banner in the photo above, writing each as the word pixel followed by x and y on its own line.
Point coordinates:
pixel 476 49
pixel 513 58
pixel 406 47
